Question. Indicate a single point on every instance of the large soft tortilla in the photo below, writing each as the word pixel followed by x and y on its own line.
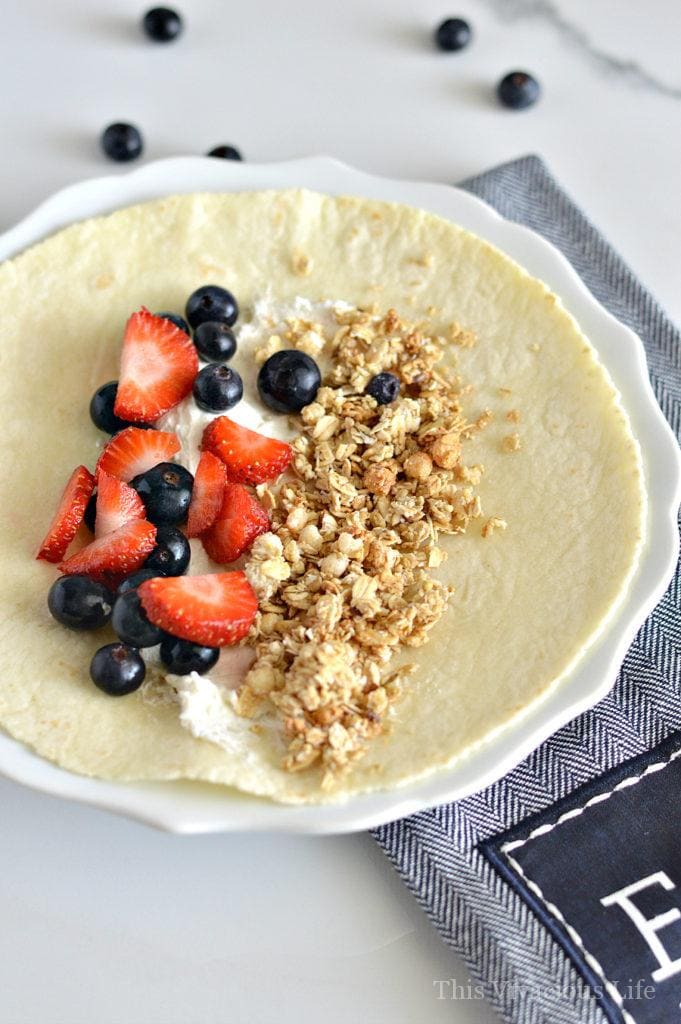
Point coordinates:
pixel 527 603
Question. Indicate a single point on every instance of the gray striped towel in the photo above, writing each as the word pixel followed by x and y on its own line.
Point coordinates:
pixel 526 951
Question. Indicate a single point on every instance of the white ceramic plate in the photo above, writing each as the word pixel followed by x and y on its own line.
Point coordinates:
pixel 194 807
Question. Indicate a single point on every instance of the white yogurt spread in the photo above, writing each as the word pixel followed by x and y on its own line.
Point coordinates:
pixel 205 702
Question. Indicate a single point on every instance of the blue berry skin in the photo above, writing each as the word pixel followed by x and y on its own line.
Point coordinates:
pixel 384 387
pixel 288 380
pixel 176 319
pixel 117 669
pixel 217 388
pixel 166 491
pixel 453 34
pixel 171 555
pixel 225 153
pixel 131 624
pixel 518 90
pixel 91 513
pixel 162 24
pixel 182 657
pixel 102 406
pixel 122 142
pixel 214 341
pixel 80 602
pixel 133 582
pixel 211 303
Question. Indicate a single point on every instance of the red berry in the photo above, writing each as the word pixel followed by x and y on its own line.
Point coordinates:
pixel 135 450
pixel 117 554
pixel 249 457
pixel 69 515
pixel 210 479
pixel 158 367
pixel 213 610
pixel 117 504
pixel 240 521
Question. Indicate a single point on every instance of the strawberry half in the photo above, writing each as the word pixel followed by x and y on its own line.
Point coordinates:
pixel 117 504
pixel 213 610
pixel 69 515
pixel 240 521
pixel 158 367
pixel 210 479
pixel 117 554
pixel 135 450
pixel 249 457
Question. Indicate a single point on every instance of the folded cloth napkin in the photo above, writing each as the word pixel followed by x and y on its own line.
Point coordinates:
pixel 558 884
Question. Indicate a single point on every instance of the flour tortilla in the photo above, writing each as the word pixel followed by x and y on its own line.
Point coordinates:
pixel 527 603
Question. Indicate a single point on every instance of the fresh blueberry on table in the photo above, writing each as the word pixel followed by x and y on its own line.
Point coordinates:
pixel 141 576
pixel 182 656
pixel 453 34
pixel 131 624
pixel 80 602
pixel 288 380
pixel 384 387
pixel 117 669
pixel 217 388
pixel 122 142
pixel 162 24
pixel 225 152
pixel 215 341
pixel 518 90
pixel 90 513
pixel 176 319
pixel 171 555
pixel 166 491
pixel 211 303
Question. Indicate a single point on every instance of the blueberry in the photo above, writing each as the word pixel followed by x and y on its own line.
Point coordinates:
pixel 453 34
pixel 384 387
pixel 215 341
pixel 133 582
pixel 217 388
pixel 80 602
pixel 288 380
pixel 162 24
pixel 102 406
pixel 211 303
pixel 166 491
pixel 176 319
pixel 122 142
pixel 131 624
pixel 117 669
pixel 171 555
pixel 518 90
pixel 225 153
pixel 91 513
pixel 182 656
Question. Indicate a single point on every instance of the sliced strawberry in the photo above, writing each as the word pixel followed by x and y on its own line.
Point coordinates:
pixel 158 367
pixel 69 515
pixel 117 554
pixel 250 458
pixel 213 610
pixel 209 486
pixel 117 504
pixel 240 521
pixel 135 450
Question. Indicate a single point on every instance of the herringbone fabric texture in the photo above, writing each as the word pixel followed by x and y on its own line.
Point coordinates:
pixel 527 976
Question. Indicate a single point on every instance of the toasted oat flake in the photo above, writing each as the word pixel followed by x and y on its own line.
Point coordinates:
pixel 511 443
pixel 492 525
pixel 344 576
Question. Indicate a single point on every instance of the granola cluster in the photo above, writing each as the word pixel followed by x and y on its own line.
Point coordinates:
pixel 344 576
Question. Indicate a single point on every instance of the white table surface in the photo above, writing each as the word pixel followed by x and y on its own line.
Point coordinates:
pixel 104 920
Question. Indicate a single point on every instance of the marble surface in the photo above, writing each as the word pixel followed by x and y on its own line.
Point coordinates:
pixel 106 920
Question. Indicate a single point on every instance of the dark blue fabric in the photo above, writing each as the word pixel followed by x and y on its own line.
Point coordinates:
pixel 514 954
pixel 630 836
